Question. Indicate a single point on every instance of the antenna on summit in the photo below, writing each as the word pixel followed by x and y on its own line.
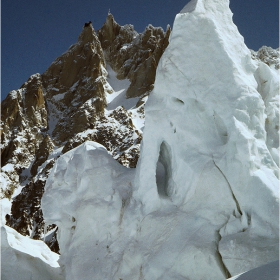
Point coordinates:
pixel 109 12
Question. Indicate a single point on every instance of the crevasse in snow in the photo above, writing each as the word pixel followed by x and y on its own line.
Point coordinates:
pixel 203 201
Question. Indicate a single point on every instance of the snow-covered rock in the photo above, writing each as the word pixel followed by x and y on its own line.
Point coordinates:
pixel 132 55
pixel 203 200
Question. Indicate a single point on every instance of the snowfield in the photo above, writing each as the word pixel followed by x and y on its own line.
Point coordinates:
pixel 203 200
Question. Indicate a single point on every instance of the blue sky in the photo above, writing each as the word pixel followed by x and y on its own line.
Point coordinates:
pixel 35 32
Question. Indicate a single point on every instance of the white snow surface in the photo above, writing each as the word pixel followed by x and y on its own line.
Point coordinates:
pixel 203 200
pixel 23 258
pixel 115 90
pixel 35 248
pixel 93 191
pixel 8 167
pixel 118 90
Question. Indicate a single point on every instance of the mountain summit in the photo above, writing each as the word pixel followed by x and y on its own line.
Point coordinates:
pixel 202 202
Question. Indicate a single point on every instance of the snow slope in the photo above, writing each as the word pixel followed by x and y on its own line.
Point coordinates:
pixel 203 200
pixel 23 258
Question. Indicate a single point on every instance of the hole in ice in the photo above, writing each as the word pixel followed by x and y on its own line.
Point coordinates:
pixel 164 171
pixel 161 177
pixel 177 100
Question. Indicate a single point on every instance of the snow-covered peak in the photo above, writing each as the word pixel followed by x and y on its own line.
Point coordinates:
pixel 206 118
pixel 207 7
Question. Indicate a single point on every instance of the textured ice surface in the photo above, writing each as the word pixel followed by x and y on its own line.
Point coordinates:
pixel 23 258
pixel 93 191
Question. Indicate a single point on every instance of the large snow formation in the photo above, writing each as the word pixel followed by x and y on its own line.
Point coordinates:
pixel 217 136
pixel 203 201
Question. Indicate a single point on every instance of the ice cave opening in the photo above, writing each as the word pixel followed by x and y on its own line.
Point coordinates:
pixel 164 171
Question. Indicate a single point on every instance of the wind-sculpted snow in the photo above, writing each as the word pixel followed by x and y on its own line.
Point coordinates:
pixel 203 200
pixel 87 195
pixel 23 258
pixel 268 86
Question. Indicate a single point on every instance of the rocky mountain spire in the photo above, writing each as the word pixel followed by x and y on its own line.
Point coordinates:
pixel 132 55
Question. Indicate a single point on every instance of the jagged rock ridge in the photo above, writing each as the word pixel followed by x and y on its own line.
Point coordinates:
pixel 68 104
pixel 133 55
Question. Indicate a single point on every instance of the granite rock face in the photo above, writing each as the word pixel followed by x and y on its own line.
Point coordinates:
pixel 132 55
